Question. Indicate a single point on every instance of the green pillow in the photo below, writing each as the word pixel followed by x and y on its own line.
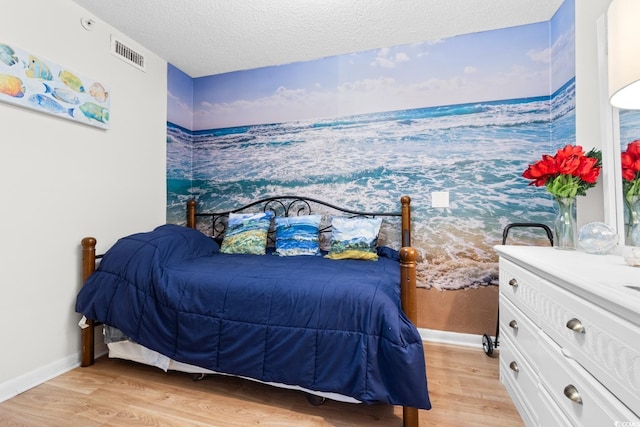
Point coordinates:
pixel 246 233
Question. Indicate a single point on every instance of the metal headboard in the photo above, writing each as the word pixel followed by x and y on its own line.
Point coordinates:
pixel 215 223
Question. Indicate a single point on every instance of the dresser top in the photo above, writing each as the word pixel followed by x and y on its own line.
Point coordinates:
pixel 605 280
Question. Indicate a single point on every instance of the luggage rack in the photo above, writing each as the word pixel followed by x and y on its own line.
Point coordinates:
pixel 487 343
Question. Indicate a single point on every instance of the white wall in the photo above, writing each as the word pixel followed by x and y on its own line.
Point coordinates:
pixel 61 180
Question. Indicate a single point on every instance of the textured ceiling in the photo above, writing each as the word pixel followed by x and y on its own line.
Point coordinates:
pixel 204 37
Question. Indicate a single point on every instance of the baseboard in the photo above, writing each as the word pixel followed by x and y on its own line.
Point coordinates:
pixel 36 377
pixel 31 379
pixel 455 338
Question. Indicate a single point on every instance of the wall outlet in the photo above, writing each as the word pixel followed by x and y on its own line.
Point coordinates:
pixel 440 199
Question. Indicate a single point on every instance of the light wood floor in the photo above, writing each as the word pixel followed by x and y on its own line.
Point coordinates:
pixel 463 384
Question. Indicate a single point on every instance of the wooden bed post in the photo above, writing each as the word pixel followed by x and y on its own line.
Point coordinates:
pixel 406 220
pixel 88 267
pixel 408 257
pixel 408 262
pixel 191 213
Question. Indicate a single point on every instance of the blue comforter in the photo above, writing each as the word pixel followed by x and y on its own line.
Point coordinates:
pixel 326 325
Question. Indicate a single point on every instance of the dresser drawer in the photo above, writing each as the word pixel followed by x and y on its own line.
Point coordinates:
pixel 584 400
pixel 521 382
pixel 550 415
pixel 605 345
pixel 519 329
pixel 520 287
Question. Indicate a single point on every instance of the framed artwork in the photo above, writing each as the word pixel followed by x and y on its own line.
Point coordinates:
pixel 36 83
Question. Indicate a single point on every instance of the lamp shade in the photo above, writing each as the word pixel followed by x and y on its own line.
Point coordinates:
pixel 623 35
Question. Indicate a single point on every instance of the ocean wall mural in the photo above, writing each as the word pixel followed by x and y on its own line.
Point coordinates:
pixel 465 115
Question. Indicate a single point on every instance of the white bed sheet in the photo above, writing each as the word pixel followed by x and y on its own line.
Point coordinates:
pixel 129 350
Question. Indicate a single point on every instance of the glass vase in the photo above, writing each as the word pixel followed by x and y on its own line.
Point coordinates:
pixel 565 225
pixel 633 223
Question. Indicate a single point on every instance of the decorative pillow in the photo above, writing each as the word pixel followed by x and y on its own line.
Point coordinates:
pixel 297 235
pixel 247 233
pixel 354 238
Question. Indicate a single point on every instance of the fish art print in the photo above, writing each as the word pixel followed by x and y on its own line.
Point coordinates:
pixel 71 80
pixel 11 86
pixel 62 94
pixel 95 112
pixel 98 92
pixel 36 69
pixel 29 80
pixel 49 104
pixel 7 55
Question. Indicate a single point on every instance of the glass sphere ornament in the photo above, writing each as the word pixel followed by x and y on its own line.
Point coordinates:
pixel 597 238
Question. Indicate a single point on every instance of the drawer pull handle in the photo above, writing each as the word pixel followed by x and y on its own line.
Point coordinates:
pixel 514 325
pixel 514 366
pixel 575 325
pixel 572 393
pixel 513 282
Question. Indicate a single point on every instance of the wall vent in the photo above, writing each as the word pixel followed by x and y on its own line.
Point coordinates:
pixel 127 54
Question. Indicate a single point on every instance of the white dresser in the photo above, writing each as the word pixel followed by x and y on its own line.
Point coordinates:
pixel 570 337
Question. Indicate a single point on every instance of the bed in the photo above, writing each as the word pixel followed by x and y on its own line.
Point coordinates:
pixel 206 298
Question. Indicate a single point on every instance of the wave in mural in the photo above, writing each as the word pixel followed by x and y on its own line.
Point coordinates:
pixel 475 151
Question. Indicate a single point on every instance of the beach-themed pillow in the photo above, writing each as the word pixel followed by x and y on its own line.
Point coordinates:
pixel 297 235
pixel 247 233
pixel 354 238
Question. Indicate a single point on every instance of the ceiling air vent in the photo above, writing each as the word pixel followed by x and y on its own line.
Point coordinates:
pixel 127 54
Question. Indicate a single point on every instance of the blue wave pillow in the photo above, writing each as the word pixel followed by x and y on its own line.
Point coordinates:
pixel 297 235
pixel 354 238
pixel 247 233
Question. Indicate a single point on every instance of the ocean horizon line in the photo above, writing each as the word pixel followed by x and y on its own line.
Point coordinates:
pixel 446 110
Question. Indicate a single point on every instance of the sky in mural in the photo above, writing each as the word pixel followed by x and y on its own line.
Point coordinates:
pixel 493 65
pixel 464 114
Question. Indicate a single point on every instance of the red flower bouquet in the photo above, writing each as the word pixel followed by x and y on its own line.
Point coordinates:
pixel 569 173
pixel 631 170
